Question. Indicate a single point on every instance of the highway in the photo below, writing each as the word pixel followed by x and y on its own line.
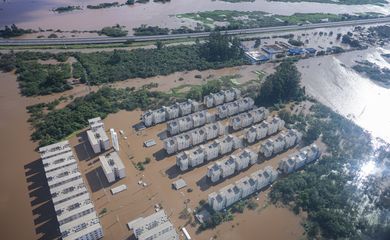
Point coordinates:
pixel 106 40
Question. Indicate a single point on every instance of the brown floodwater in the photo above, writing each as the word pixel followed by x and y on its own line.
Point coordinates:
pixel 332 81
pixel 21 181
pixel 267 221
pixel 38 14
pixel 25 201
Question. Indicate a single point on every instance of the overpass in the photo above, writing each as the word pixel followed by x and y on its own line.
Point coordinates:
pixel 106 40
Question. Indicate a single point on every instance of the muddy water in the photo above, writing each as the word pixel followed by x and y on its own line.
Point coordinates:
pixel 17 160
pixel 38 14
pixel 331 80
pixel 267 221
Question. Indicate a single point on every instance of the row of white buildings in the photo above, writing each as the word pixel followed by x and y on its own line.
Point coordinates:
pixel 246 119
pixel 242 188
pixel 298 159
pixel 189 122
pixel 233 108
pixel 264 129
pixel 113 167
pixel 248 185
pixel 97 136
pixel 281 142
pixel 207 152
pixel 163 114
pixel 74 209
pixel 224 96
pixel 235 163
pixel 193 137
pixel 153 227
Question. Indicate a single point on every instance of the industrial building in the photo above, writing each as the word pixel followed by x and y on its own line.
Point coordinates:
pixel 193 137
pixel 154 227
pixel 74 209
pixel 97 136
pixel 153 117
pixel 299 159
pixel 112 166
pixel 242 188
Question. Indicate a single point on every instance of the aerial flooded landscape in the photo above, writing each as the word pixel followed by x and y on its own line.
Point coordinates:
pixel 206 120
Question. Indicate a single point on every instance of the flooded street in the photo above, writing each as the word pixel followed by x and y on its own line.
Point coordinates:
pixel 331 80
pixel 20 184
pixel 38 14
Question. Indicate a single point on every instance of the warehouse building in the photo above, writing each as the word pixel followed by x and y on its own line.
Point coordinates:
pixel 74 209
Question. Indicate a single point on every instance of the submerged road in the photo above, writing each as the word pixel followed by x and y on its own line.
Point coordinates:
pixel 105 40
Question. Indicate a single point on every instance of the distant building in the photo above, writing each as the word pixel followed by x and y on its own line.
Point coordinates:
pixel 256 57
pixel 112 166
pixel 154 227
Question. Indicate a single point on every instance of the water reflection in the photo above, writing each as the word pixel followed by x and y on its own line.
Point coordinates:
pixel 332 81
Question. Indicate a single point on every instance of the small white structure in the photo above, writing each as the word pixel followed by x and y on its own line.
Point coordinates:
pixel 218 98
pixel 212 150
pixel 244 104
pixel 267 148
pixel 170 145
pixel 182 161
pixel 172 111
pixel 118 189
pixel 279 144
pixel 287 165
pixel 199 118
pixel 217 201
pixel 185 108
pixel 259 114
pixel 232 108
pixel 114 139
pixel 214 172
pixel 232 194
pixel 185 123
pixel 97 136
pixel 246 185
pixel 214 130
pixel 112 166
pixel 179 184
pixel 183 141
pixel 222 111
pixel 208 101
pixel 198 136
pixel 262 130
pixel 228 166
pixel 196 156
pixel 276 124
pixel 250 134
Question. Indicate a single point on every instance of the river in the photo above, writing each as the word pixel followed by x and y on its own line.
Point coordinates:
pixel 38 13
pixel 331 80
